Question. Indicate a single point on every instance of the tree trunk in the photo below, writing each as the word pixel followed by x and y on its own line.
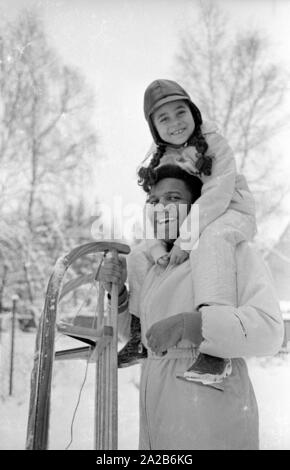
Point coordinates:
pixel 2 286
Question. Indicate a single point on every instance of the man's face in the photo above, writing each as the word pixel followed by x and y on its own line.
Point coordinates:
pixel 174 122
pixel 172 201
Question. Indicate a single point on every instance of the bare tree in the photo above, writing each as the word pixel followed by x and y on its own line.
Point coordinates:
pixel 47 148
pixel 46 132
pixel 237 84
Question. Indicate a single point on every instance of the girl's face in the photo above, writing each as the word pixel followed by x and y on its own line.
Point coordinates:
pixel 174 122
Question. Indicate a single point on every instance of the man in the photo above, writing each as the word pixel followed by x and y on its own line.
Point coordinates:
pixel 175 414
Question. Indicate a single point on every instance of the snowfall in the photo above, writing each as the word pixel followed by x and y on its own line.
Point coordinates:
pixel 270 377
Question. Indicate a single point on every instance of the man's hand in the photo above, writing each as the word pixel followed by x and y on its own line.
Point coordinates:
pixel 177 256
pixel 165 333
pixel 113 271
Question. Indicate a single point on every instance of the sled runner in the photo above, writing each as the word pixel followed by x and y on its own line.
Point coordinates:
pixel 101 340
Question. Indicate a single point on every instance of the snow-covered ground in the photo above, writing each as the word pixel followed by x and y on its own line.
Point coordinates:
pixel 270 376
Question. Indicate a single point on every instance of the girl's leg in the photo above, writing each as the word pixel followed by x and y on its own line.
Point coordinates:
pixel 214 260
pixel 214 276
pixel 133 351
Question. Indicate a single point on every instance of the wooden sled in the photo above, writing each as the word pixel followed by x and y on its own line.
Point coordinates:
pixel 101 348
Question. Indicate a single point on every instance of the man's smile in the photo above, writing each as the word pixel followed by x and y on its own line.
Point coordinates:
pixel 165 220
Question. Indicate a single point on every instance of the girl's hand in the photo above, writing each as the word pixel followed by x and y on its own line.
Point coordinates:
pixel 165 333
pixel 113 271
pixel 177 256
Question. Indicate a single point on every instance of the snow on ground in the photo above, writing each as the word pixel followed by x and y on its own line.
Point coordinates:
pixel 271 381
pixel 68 377
pixel 270 377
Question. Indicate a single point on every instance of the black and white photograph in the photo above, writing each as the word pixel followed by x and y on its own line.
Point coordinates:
pixel 145 227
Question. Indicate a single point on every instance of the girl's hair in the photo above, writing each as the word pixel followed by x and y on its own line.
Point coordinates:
pixel 147 175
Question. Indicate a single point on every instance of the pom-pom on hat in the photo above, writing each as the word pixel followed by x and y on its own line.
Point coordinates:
pixel 161 92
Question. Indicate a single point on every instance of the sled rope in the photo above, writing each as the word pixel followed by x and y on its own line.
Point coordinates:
pixel 88 360
pixel 77 405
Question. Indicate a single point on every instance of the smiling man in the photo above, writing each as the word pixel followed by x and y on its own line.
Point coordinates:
pixel 175 414
pixel 170 201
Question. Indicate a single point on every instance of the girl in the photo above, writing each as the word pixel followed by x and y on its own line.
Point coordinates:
pixel 226 206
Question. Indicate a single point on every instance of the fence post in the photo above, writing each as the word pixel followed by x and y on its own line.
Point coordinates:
pixel 14 303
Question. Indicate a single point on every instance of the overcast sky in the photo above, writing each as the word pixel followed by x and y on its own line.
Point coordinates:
pixel 120 46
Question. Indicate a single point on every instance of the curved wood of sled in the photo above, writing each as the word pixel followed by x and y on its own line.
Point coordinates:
pixel 103 350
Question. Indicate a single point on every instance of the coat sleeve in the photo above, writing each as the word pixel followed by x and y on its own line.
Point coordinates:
pixel 253 328
pixel 218 188
pixel 138 264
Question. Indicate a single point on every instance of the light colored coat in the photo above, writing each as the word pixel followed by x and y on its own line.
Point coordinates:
pixel 175 414
pixel 224 190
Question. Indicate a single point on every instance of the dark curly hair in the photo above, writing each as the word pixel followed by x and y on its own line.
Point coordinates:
pixel 193 183
pixel 147 175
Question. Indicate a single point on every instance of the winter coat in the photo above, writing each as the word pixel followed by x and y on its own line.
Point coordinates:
pixel 175 414
pixel 222 190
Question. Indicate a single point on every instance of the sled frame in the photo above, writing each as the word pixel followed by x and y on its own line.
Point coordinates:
pixel 102 350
